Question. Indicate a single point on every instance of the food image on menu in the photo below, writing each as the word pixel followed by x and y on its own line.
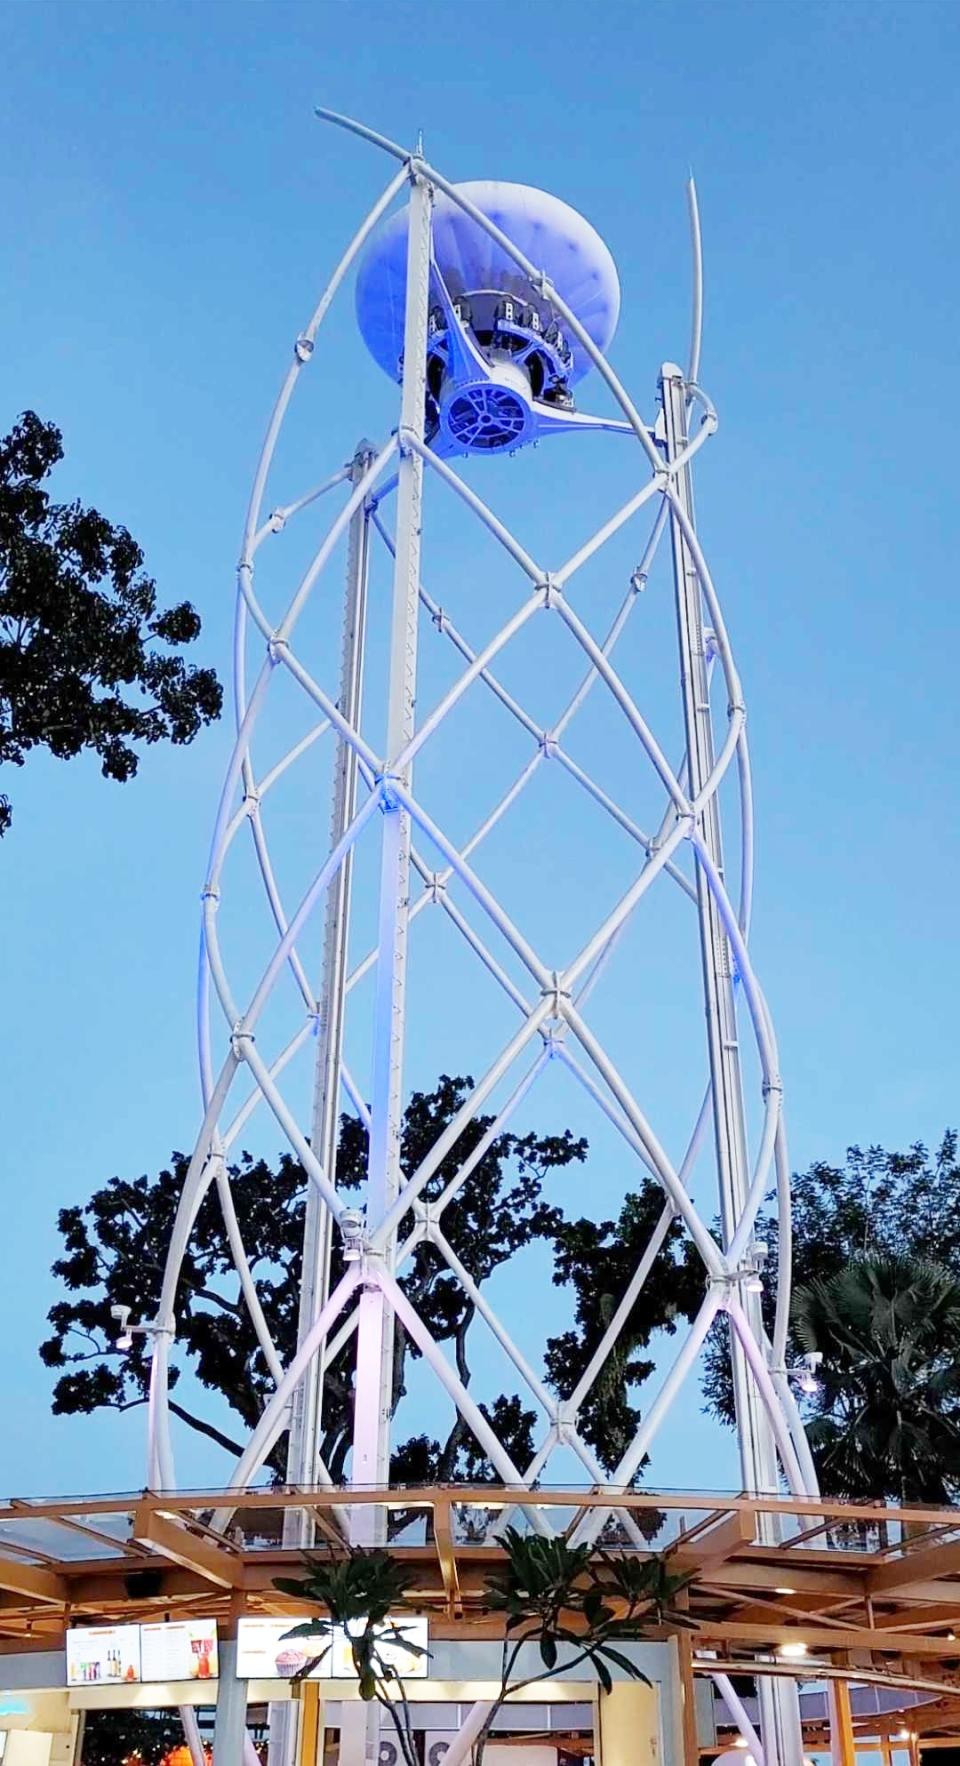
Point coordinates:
pixel 290 1662
pixel 266 1652
pixel 390 1649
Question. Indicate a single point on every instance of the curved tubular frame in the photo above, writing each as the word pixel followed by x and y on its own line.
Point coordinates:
pixel 549 991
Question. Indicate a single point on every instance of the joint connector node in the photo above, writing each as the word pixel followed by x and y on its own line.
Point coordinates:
pixel 210 892
pixel 239 1041
pixel 551 1040
pixel 439 619
pixel 303 348
pixel 730 1281
pixel 437 888
pixel 549 746
pixel 275 649
pixel 565 1421
pixel 557 993
pixel 389 801
pixel 550 590
pixel 278 520
pixel 405 446
pixel 772 1085
pixel 737 708
pixel 638 581
pixel 251 801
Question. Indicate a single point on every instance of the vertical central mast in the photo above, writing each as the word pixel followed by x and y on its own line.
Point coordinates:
pixel 374 1383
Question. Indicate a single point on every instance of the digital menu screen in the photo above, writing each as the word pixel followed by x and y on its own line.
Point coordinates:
pixel 265 1653
pixel 181 1650
pixel 392 1653
pixel 103 1655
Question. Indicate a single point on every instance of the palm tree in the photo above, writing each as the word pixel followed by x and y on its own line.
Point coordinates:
pixel 886 1420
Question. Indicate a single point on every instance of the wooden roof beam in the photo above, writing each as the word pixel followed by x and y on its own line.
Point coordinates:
pixel 916 1567
pixel 714 1546
pixel 36 1583
pixel 164 1534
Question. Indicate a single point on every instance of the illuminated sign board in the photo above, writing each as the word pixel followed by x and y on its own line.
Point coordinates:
pixel 127 1655
pixel 392 1653
pixel 265 1651
pixel 184 1649
pixel 103 1655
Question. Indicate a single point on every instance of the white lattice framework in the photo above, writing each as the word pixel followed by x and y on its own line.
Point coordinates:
pixel 423 868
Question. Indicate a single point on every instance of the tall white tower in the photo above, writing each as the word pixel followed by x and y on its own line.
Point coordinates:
pixel 488 303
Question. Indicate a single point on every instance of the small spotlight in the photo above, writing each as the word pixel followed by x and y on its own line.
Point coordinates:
pixel 902 1735
pixel 793 1649
pixel 784 1591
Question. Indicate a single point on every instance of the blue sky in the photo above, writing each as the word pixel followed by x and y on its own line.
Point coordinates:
pixel 172 208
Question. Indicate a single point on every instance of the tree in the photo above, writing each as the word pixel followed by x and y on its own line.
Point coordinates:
pixel 886 1418
pixel 360 1593
pixel 878 1203
pixel 115 1246
pixel 598 1260
pixel 576 1604
pixel 80 630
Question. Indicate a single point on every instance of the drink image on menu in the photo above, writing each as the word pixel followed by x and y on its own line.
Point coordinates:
pixel 103 1655
pixel 180 1650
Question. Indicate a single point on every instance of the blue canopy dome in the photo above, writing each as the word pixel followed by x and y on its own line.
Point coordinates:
pixel 549 232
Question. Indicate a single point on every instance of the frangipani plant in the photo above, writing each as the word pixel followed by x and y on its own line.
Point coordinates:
pixel 360 1591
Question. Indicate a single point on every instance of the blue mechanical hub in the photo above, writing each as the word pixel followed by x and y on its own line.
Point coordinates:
pixel 500 368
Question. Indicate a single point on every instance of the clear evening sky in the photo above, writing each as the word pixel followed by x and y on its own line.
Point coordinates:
pixel 171 208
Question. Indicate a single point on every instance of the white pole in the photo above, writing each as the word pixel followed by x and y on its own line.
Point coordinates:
pixel 373 1400
pixel 780 1712
pixel 304 1448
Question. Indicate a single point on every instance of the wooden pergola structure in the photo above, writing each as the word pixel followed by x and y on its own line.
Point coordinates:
pixel 852 1592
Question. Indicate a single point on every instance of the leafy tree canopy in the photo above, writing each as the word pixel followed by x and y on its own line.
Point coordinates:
pixel 597 1260
pixel 114 1249
pixel 885 1421
pixel 877 1203
pixel 85 652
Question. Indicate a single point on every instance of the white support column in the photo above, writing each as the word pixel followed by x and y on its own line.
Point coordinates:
pixel 780 1716
pixel 375 1334
pixel 230 1726
pixel 303 1450
pixel 305 1429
